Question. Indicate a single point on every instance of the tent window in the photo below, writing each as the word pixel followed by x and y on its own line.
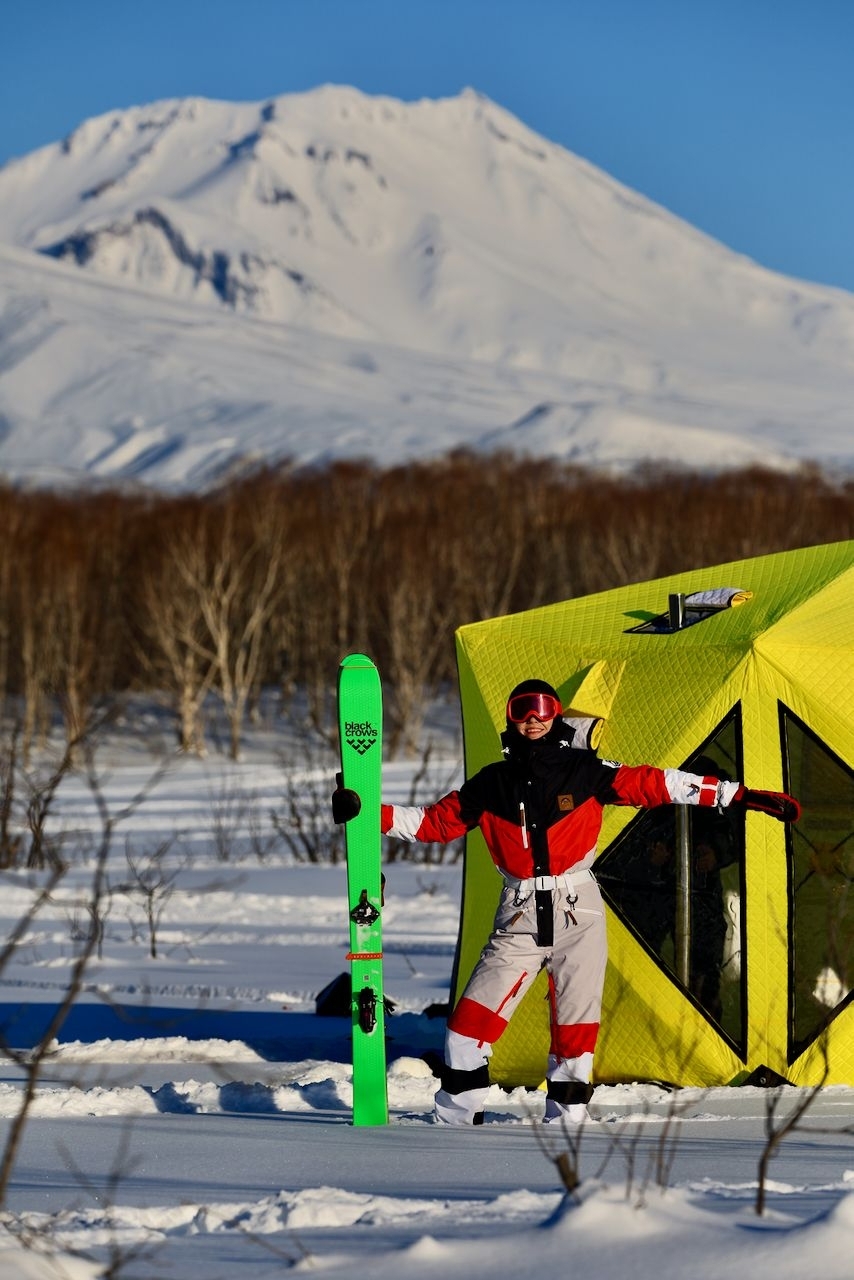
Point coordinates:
pixel 821 870
pixel 675 876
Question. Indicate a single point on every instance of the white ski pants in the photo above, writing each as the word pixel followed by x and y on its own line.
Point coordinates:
pixel 508 965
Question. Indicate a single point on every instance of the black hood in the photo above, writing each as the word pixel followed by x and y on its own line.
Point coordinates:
pixel 530 686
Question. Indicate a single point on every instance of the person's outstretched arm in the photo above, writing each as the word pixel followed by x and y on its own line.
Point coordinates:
pixel 646 786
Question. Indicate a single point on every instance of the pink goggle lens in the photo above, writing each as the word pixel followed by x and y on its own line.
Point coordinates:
pixel 543 706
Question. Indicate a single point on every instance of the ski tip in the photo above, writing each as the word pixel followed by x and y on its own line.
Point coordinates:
pixel 357 660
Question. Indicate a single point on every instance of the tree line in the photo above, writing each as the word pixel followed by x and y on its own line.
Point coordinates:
pixel 271 579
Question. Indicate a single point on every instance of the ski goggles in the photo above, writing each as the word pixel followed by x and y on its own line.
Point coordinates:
pixel 543 706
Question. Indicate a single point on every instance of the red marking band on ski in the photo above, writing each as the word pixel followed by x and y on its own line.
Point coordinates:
pixel 364 955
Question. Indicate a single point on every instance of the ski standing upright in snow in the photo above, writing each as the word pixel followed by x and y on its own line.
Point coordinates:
pixel 360 730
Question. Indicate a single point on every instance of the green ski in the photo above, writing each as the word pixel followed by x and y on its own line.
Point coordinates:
pixel 360 713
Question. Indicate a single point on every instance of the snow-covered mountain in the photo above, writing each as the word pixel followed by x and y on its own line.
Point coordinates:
pixel 191 284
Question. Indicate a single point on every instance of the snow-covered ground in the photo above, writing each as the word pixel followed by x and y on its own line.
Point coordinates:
pixel 194 1118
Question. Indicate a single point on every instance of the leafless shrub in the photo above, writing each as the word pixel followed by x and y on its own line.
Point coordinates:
pixel 564 1152
pixel 778 1127
pixel 120 1255
pixel 153 879
pixel 239 825
pixel 229 812
pixel 27 796
pixel 303 822
pixel 31 1061
pixel 645 1162
pixel 44 848
pixel 40 1241
pixel 779 1124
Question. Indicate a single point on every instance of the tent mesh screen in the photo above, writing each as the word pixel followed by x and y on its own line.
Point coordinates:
pixel 821 870
pixel 699 944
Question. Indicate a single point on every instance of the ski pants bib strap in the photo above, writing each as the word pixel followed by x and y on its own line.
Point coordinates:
pixel 545 890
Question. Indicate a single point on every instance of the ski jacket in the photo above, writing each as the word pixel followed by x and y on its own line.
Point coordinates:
pixel 540 808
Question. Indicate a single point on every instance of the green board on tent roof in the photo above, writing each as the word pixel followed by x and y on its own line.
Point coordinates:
pixel 760 684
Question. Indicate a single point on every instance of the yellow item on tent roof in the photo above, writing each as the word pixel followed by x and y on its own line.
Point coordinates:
pixel 765 691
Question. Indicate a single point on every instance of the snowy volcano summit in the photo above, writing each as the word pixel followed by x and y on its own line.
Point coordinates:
pixel 192 285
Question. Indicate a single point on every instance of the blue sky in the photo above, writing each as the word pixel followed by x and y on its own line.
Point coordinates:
pixel 737 115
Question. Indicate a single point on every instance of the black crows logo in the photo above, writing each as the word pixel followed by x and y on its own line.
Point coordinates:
pixel 360 735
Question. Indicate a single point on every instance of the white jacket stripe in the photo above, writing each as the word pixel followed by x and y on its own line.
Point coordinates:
pixel 694 788
pixel 406 819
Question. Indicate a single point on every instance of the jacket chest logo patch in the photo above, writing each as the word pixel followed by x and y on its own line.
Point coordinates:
pixel 565 803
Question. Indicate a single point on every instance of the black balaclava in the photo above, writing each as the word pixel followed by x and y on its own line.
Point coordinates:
pixel 512 740
pixel 529 686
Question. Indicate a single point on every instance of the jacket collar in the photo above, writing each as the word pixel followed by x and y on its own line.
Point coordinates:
pixel 518 750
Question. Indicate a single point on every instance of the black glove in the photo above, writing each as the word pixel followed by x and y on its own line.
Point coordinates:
pixel 775 803
pixel 346 803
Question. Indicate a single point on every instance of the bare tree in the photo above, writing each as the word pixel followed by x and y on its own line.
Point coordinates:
pixel 420 632
pixel 328 604
pixel 38 643
pixel 11 516
pixel 272 580
pixel 11 836
pixel 228 565
pixel 171 642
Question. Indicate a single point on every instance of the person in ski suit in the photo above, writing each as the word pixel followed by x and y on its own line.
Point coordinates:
pixel 540 812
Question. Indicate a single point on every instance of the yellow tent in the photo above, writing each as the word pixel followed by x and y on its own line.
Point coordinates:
pixel 749 665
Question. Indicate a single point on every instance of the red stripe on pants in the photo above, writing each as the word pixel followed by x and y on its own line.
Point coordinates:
pixel 571 1042
pixel 476 1021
